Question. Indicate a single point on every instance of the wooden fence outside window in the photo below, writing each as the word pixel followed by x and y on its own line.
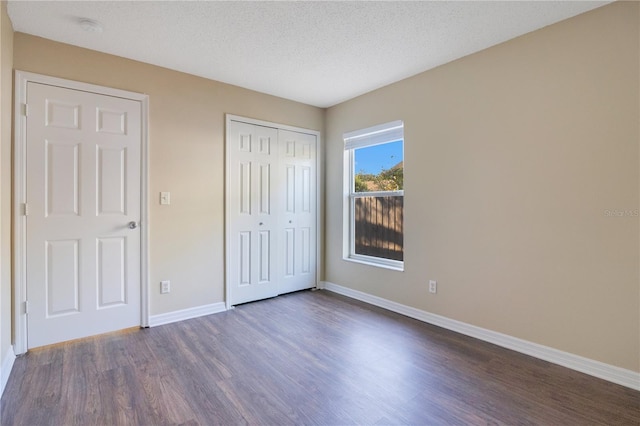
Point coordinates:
pixel 379 226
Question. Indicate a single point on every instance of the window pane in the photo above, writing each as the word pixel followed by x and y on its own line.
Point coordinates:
pixel 378 226
pixel 379 168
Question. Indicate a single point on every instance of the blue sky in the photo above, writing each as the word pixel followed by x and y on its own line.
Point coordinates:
pixel 373 159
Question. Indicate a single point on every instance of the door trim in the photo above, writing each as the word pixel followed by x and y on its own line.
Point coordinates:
pixel 22 78
pixel 227 211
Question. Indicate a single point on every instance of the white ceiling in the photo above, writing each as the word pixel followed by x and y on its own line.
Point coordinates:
pixel 318 53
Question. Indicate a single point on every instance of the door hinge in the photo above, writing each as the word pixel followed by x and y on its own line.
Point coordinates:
pixel 25 209
pixel 25 110
pixel 26 307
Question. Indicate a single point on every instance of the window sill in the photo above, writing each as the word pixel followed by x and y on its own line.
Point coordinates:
pixel 365 260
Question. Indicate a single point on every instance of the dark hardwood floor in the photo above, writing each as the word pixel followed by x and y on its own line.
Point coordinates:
pixel 303 358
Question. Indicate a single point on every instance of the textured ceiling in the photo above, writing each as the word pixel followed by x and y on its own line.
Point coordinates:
pixel 318 53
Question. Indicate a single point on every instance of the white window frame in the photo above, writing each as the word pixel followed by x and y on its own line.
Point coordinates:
pixel 376 135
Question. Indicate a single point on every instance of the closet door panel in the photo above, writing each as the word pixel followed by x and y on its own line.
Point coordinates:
pixel 298 233
pixel 252 220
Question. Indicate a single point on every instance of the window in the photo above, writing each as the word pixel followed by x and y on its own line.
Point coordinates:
pixel 374 193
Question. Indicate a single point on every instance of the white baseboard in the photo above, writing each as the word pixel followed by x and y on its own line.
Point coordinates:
pixel 5 369
pixel 598 369
pixel 185 314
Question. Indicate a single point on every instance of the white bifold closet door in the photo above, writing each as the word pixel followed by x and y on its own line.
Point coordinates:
pixel 297 211
pixel 272 211
pixel 253 155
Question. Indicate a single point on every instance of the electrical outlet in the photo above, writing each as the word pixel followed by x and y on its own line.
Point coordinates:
pixel 433 286
pixel 165 287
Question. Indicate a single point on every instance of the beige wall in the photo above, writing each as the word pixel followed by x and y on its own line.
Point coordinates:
pixel 6 90
pixel 512 157
pixel 186 158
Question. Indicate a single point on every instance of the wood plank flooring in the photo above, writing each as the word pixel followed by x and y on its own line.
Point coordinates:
pixel 303 358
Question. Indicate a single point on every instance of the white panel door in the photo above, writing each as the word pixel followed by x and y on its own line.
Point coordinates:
pixel 83 198
pixel 298 210
pixel 253 154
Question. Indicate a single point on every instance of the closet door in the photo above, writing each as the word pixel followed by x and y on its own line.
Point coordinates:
pixel 271 204
pixel 297 211
pixel 253 223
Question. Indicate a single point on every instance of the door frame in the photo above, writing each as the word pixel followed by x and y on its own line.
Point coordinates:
pixel 227 210
pixel 19 245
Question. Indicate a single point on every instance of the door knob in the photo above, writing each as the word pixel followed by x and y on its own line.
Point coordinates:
pixel 133 225
pixel 261 224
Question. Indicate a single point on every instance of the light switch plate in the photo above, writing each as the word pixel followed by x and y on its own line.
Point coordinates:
pixel 165 198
